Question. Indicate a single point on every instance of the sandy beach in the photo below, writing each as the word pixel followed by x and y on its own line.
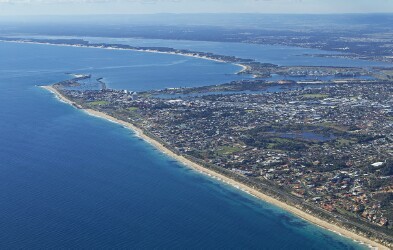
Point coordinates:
pixel 243 67
pixel 225 179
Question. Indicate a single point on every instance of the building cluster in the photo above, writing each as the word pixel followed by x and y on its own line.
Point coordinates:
pixel 331 146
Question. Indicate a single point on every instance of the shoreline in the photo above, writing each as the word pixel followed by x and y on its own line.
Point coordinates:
pixel 217 176
pixel 242 66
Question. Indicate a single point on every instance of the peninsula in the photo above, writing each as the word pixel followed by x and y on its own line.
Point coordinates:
pixel 259 70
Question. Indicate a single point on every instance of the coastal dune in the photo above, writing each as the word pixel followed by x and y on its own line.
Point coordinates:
pixel 300 213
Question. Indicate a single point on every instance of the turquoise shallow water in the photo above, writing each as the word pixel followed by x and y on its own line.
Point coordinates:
pixel 69 180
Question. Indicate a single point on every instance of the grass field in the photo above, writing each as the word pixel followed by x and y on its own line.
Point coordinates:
pixel 132 109
pixel 227 150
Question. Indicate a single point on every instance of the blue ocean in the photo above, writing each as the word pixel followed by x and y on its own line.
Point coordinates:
pixel 70 180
